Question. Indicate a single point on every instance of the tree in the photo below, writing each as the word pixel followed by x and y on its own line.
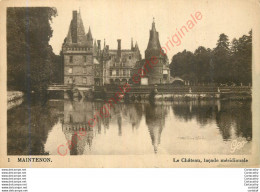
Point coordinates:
pixel 242 59
pixel 29 55
pixel 202 64
pixel 221 60
pixel 182 65
pixel 223 64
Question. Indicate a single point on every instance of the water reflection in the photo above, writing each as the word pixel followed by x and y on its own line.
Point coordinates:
pixel 155 121
pixel 226 114
pixel 76 116
pixel 237 115
pixel 204 111
pixel 205 127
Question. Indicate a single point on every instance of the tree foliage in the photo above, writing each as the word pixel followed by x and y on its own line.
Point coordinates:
pixel 30 59
pixel 226 63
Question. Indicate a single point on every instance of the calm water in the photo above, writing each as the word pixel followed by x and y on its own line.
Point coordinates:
pixel 206 127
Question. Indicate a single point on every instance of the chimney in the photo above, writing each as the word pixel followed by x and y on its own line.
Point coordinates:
pixel 99 46
pixel 74 15
pixel 132 44
pixel 119 48
pixel 74 27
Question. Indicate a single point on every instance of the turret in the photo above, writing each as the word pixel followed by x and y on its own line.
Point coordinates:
pixel 154 47
pixel 136 47
pixel 76 34
pixel 89 35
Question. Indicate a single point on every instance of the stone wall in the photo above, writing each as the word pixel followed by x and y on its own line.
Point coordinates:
pixel 81 69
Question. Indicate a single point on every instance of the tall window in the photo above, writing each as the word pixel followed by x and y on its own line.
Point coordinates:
pixel 110 72
pixel 117 72
pixel 71 59
pixel 70 80
pixel 84 80
pixel 130 57
pixel 85 59
pixel 124 72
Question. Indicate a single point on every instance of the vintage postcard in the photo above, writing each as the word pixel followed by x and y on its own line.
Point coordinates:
pixel 130 83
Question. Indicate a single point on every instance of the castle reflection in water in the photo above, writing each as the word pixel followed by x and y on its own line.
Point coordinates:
pixel 205 127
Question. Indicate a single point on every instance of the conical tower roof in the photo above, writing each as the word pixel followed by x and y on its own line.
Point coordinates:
pixel 154 47
pixel 136 46
pixel 76 35
pixel 89 35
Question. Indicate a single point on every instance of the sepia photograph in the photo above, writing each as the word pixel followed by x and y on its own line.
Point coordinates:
pixel 156 79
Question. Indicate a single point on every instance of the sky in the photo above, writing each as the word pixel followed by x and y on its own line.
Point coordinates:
pixel 112 20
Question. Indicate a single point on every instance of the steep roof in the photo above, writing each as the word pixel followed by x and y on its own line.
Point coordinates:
pixel 76 34
pixel 89 35
pixel 153 47
pixel 136 46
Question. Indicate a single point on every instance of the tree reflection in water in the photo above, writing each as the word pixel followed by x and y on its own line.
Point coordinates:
pixel 131 126
pixel 224 113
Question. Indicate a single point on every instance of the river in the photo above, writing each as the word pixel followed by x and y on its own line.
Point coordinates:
pixel 193 127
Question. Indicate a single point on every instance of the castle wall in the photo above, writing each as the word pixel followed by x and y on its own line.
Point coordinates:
pixel 80 70
pixel 155 75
